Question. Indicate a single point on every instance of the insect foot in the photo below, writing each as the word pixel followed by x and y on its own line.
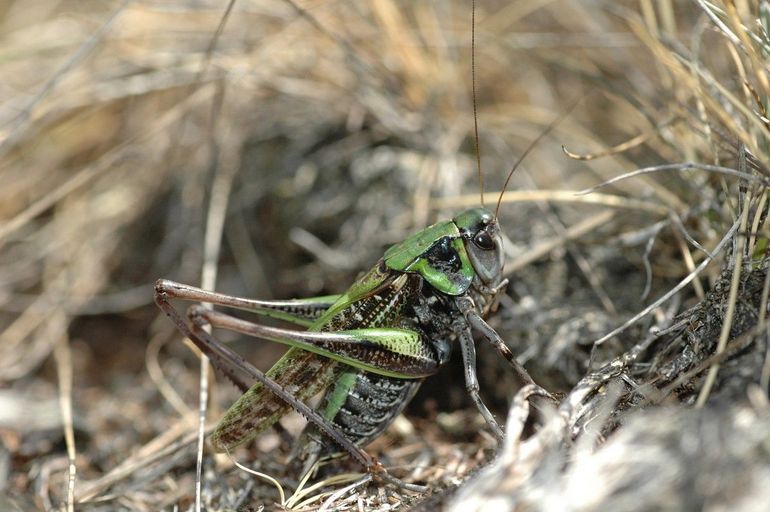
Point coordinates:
pixel 378 471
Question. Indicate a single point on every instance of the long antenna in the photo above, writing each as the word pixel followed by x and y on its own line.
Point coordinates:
pixel 532 144
pixel 475 109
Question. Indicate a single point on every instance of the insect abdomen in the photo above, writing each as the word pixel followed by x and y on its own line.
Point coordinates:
pixel 370 403
pixel 362 404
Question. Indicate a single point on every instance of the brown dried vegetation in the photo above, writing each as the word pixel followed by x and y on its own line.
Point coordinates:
pixel 290 149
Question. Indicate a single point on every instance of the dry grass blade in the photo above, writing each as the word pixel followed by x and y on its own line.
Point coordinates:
pixel 558 196
pixel 265 477
pixel 619 148
pixel 63 357
pixel 544 247
pixel 177 437
pixel 727 322
pixel 727 238
pixel 22 117
pixel 220 193
pixel 679 167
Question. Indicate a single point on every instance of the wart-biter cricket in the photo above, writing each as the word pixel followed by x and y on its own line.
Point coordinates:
pixel 367 349
pixel 370 347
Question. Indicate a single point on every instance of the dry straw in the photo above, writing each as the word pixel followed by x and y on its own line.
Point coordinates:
pixel 141 140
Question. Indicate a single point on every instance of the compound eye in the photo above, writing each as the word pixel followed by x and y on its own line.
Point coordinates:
pixel 484 241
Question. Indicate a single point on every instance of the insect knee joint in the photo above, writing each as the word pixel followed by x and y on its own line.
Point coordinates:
pixel 465 305
pixel 161 292
pixel 197 315
pixel 505 351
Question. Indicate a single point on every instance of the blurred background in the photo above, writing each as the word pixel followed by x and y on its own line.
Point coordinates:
pixel 319 133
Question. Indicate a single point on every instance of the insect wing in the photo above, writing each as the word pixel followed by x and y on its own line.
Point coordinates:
pixel 300 372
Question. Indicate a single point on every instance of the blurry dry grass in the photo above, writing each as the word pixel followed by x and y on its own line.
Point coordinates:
pixel 115 121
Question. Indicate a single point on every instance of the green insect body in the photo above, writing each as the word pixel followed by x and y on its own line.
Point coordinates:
pixel 368 348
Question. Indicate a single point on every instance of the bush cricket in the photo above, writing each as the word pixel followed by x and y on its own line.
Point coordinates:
pixel 369 348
